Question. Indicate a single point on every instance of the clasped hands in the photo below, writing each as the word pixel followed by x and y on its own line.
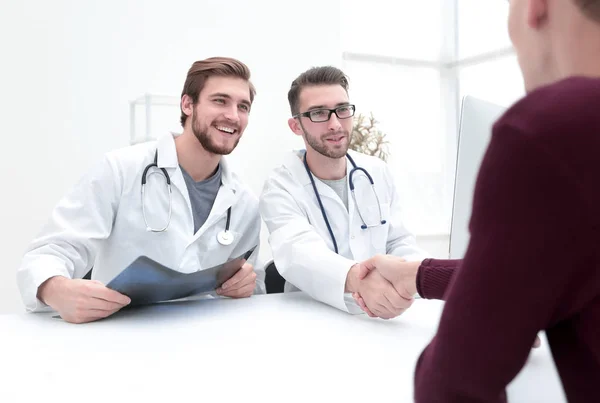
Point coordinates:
pixel 383 286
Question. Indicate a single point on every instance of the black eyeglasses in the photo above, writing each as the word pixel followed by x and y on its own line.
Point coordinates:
pixel 323 115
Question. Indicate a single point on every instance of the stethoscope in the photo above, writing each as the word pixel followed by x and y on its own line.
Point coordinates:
pixel 224 237
pixel 351 184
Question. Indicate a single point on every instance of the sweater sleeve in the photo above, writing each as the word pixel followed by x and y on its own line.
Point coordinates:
pixel 528 224
pixel 434 277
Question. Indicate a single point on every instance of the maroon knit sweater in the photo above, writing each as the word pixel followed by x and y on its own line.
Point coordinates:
pixel 533 262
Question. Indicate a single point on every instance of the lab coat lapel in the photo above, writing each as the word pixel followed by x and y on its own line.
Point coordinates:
pixel 226 197
pixel 295 165
pixel 363 193
pixel 167 158
pixel 351 204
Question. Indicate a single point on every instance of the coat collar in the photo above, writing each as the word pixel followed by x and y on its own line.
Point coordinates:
pixel 167 158
pixel 294 163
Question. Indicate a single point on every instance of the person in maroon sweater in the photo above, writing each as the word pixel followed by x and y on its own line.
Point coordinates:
pixel 533 261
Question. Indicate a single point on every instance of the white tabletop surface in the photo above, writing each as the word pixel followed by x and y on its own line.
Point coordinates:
pixel 268 348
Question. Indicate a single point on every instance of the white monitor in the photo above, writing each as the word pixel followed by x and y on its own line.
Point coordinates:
pixel 476 121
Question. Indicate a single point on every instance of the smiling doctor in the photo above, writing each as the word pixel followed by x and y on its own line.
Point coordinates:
pixel 328 208
pixel 174 200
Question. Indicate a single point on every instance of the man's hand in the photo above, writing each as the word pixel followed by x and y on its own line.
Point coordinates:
pixel 402 274
pixel 80 301
pixel 241 284
pixel 380 298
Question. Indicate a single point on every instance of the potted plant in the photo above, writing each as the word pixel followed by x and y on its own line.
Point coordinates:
pixel 367 138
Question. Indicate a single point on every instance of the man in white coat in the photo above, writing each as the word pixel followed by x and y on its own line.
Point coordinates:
pixel 327 208
pixel 109 218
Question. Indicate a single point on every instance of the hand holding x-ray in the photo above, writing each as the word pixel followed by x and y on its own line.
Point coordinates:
pixel 81 301
pixel 241 284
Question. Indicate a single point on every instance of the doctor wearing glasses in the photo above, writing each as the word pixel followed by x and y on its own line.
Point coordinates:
pixel 329 208
pixel 174 200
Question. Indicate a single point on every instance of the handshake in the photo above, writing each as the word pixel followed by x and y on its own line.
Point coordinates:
pixel 383 286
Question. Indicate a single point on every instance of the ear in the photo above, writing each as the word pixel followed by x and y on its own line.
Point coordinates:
pixel 537 12
pixel 187 105
pixel 295 126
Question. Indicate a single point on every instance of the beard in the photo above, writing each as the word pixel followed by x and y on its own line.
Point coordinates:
pixel 200 130
pixel 331 151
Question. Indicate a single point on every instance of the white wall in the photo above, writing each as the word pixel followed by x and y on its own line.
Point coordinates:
pixel 70 67
pixel 437 246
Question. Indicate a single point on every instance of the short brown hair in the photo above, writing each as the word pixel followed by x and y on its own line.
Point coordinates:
pixel 591 8
pixel 213 66
pixel 326 75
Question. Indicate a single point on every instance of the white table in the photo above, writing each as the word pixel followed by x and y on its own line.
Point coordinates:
pixel 268 348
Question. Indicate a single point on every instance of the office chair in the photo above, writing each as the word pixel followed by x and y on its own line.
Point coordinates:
pixel 274 282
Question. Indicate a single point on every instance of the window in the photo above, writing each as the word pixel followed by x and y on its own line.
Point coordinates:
pixel 482 27
pixel 406 103
pixel 410 63
pixel 401 28
pixel 498 81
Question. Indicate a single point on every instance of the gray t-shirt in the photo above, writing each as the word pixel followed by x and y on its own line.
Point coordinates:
pixel 339 186
pixel 202 195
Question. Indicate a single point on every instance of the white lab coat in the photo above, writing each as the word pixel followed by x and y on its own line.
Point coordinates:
pixel 99 223
pixel 302 248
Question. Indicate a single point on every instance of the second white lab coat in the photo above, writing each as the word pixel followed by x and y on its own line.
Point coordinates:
pixel 302 247
pixel 99 223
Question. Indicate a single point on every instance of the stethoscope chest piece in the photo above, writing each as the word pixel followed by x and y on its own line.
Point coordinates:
pixel 225 237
